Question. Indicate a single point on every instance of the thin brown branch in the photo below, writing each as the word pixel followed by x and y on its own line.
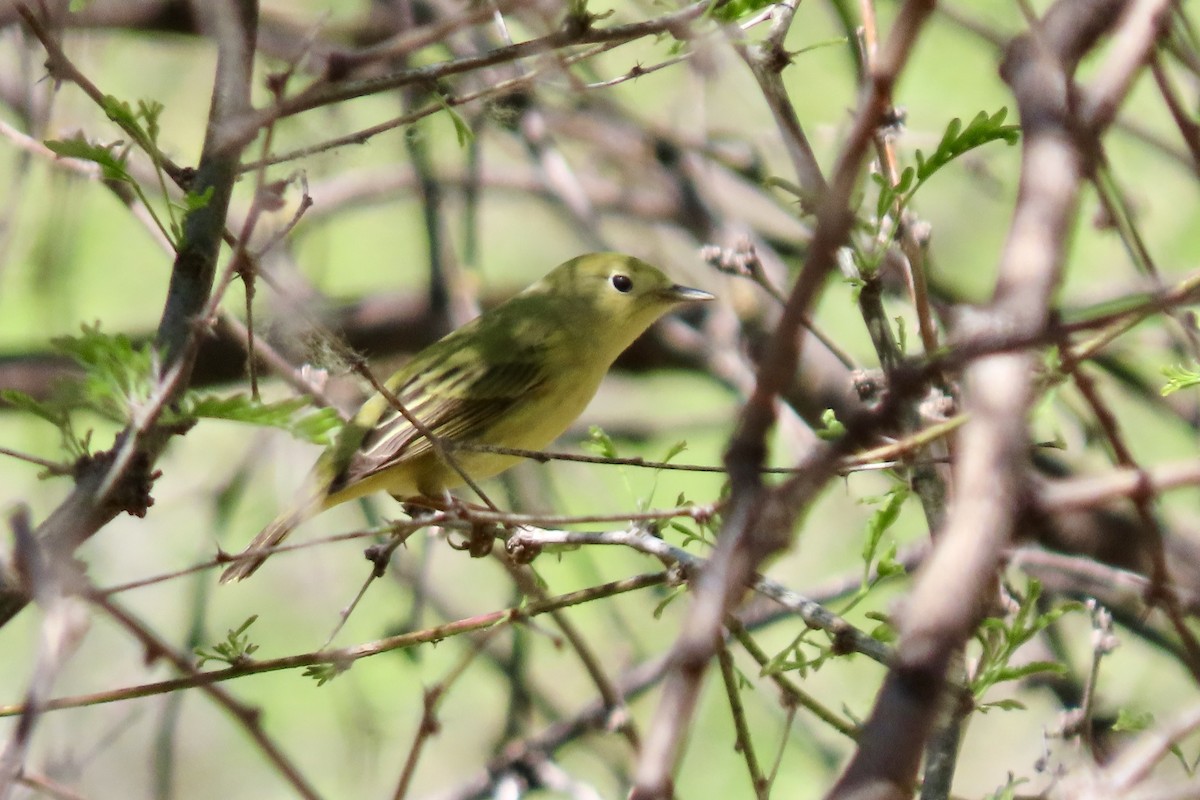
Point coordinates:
pixel 745 742
pixel 246 716
pixel 326 91
pixel 346 655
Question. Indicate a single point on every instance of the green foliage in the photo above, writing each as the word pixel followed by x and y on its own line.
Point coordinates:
pixel 142 125
pixel 901 334
pixel 666 601
pixel 884 631
pixel 600 443
pixel 956 141
pixel 1001 639
pixel 882 519
pixel 832 428
pixel 120 378
pixel 733 10
pixel 234 651
pixel 705 530
pixel 109 157
pixel 296 416
pixel 56 414
pixel 1129 721
pixel 794 658
pixel 461 129
pixel 324 673
pixel 1180 377
pixel 1009 790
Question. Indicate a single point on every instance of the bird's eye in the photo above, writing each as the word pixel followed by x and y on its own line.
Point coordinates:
pixel 622 283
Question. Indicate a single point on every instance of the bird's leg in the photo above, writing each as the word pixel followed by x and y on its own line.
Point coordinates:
pixel 481 535
pixel 416 508
pixel 422 506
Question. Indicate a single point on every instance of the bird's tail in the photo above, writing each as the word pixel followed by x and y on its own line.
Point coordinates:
pixel 259 549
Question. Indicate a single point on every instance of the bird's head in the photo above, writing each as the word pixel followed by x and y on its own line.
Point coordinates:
pixel 619 295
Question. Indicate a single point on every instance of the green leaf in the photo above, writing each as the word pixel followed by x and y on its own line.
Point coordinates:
pixel 295 415
pixel 1009 790
pixel 150 111
pixel 956 141
pixel 883 632
pixel 901 334
pixel 1132 721
pixel 888 566
pixel 117 374
pixel 1179 377
pixel 194 202
pixel 120 112
pixel 461 129
pixel 235 650
pixel 600 442
pixel 734 10
pixel 1032 668
pixel 112 164
pixel 666 601
pixel 324 673
pixel 22 402
pixel 673 451
pixel 833 428
pixel 883 518
pixel 1000 640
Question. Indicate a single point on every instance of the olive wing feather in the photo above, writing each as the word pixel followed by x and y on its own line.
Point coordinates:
pixel 457 401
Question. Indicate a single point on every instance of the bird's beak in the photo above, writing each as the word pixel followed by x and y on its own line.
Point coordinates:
pixel 685 294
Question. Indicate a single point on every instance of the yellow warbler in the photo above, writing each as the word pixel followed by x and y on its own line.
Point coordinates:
pixel 515 377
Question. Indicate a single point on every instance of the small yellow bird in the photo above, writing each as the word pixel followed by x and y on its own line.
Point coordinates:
pixel 515 377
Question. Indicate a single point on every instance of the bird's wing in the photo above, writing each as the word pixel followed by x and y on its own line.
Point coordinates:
pixel 457 401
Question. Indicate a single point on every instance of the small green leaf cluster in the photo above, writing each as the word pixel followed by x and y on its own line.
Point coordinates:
pixel 120 377
pixel 296 415
pixel 956 141
pixel 141 123
pixel 1180 377
pixel 831 427
pixel 234 651
pixel 795 658
pixel 893 200
pixel 324 673
pixel 116 380
pixel 879 563
pixel 1000 639
pixel 733 10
